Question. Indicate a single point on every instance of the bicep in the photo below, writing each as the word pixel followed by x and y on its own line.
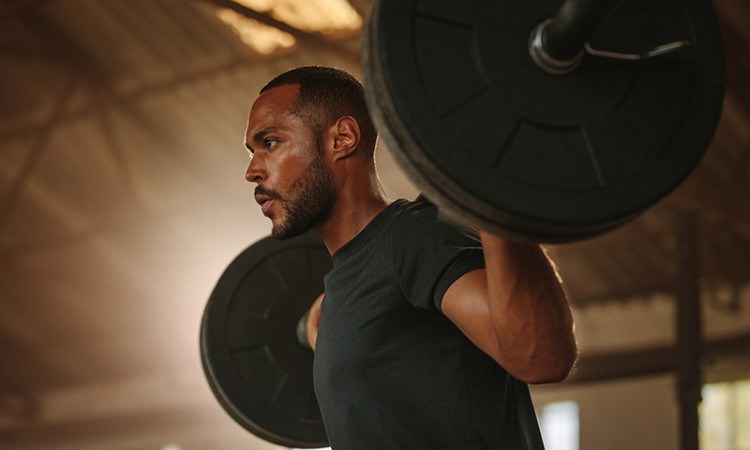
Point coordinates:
pixel 465 303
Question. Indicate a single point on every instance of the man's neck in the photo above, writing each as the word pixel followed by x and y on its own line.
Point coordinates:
pixel 350 215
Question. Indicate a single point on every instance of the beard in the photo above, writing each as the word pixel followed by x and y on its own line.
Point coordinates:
pixel 309 201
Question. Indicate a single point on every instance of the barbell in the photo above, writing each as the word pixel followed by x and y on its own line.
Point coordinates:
pixel 542 121
pixel 539 120
pixel 258 367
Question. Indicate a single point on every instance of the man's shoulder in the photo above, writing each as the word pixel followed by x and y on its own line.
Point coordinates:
pixel 423 218
pixel 419 208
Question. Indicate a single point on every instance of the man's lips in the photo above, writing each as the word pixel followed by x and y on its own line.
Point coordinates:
pixel 265 207
pixel 265 201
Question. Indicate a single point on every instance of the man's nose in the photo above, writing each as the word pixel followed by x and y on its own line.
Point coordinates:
pixel 255 172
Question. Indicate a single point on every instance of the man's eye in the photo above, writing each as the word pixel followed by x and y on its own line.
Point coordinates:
pixel 270 143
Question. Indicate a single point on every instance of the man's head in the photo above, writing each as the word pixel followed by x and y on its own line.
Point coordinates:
pixel 303 122
pixel 325 94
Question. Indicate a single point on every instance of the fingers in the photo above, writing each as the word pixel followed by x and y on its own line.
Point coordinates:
pixel 313 322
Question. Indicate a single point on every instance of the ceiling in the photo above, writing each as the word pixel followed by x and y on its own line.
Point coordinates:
pixel 122 199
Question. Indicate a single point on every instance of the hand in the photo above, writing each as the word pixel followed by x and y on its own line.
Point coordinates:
pixel 313 322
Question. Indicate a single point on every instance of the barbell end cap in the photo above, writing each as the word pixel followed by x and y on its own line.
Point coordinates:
pixel 544 60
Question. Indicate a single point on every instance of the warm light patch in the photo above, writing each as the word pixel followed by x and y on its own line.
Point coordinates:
pixel 322 16
pixel 261 38
pixel 330 17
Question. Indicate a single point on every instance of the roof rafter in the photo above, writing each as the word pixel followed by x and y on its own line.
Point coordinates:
pixel 310 39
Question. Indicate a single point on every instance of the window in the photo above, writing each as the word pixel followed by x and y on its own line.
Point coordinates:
pixel 559 424
pixel 724 415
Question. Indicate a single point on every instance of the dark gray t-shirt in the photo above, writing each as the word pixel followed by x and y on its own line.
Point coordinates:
pixel 391 371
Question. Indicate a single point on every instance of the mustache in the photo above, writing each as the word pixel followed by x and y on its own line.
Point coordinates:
pixel 267 192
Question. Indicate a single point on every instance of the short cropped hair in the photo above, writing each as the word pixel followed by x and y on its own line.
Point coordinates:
pixel 325 95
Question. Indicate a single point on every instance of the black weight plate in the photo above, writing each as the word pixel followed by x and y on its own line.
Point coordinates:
pixel 487 135
pixel 257 369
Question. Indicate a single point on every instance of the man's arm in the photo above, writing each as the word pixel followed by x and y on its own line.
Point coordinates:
pixel 515 311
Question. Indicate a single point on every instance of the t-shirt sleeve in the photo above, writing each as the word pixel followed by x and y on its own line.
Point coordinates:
pixel 429 254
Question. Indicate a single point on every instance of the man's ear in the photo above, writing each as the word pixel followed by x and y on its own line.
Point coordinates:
pixel 343 137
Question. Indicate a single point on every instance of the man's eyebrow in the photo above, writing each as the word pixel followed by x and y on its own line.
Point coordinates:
pixel 260 134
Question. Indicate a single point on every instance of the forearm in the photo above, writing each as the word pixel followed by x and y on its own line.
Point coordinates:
pixel 529 312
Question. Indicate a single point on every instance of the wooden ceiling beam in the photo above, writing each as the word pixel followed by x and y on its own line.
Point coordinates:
pixel 36 151
pixel 75 113
pixel 18 7
pixel 313 40
pixel 714 217
pixel 623 295
pixel 653 361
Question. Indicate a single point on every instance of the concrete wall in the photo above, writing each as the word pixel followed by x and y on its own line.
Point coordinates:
pixel 636 414
pixel 642 413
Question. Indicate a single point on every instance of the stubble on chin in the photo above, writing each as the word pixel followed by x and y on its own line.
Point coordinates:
pixel 311 197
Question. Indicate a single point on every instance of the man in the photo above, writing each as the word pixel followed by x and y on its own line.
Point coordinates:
pixel 427 336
